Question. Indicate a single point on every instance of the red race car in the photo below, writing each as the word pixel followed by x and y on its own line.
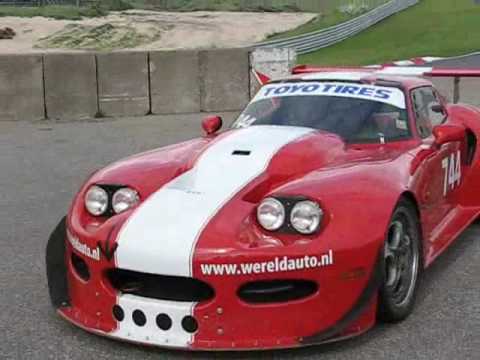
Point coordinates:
pixel 308 220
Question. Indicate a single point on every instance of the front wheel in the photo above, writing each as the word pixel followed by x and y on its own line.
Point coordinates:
pixel 402 264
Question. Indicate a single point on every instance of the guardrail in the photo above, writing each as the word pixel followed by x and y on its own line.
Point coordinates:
pixel 316 40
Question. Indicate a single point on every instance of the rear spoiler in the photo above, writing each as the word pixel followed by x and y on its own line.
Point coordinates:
pixel 306 69
pixel 391 70
pixel 423 71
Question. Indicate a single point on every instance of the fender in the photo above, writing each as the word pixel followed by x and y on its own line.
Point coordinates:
pixel 469 116
pixel 56 268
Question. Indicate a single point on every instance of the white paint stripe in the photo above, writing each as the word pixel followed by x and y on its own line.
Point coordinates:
pixel 150 333
pixel 429 59
pixel 407 71
pixel 160 236
pixel 341 75
pixel 404 63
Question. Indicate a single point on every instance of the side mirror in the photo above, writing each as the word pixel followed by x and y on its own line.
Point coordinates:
pixel 212 124
pixel 438 108
pixel 448 133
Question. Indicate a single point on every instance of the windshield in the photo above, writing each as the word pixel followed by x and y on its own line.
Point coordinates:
pixel 356 112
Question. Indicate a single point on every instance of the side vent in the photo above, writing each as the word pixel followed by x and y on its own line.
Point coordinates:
pixel 471 147
pixel 276 291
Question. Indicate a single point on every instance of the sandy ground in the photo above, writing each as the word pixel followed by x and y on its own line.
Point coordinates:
pixel 176 30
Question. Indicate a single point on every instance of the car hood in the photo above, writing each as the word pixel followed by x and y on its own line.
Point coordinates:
pixel 295 152
pixel 201 177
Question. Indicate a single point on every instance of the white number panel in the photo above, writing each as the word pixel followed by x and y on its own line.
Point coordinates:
pixel 452 167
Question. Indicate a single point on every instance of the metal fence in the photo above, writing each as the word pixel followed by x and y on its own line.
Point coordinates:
pixel 313 41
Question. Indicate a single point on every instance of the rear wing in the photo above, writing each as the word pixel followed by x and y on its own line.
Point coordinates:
pixel 421 71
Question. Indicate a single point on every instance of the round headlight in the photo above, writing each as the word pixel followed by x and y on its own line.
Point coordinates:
pixel 271 214
pixel 124 199
pixel 96 201
pixel 306 217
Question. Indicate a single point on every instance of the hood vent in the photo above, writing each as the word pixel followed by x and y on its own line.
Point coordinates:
pixel 241 153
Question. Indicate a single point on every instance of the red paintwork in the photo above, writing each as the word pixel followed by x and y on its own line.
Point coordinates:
pixel 449 133
pixel 261 78
pixel 433 72
pixel 357 185
pixel 438 72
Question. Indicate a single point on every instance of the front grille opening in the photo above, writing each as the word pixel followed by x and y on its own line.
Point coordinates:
pixel 80 267
pixel 173 288
pixel 276 291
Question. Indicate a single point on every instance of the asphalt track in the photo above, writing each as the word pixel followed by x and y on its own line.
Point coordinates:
pixel 43 164
pixel 469 61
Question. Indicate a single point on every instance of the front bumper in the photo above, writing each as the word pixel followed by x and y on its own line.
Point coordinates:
pixel 344 306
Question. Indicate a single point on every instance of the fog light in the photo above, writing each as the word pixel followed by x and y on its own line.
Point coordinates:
pixel 189 324
pixel 118 313
pixel 164 322
pixel 139 318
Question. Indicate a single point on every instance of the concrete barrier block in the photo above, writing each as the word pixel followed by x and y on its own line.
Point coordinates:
pixel 21 87
pixel 123 83
pixel 469 89
pixel 225 79
pixel 444 87
pixel 272 62
pixel 70 86
pixel 174 81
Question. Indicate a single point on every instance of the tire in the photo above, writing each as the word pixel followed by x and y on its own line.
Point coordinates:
pixel 402 260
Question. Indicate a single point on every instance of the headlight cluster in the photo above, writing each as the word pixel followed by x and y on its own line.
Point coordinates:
pixel 99 200
pixel 304 216
pixel 271 214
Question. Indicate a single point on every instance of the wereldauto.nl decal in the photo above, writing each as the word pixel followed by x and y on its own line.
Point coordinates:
pixel 84 249
pixel 278 264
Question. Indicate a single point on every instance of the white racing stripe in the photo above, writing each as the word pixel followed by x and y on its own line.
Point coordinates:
pixel 405 70
pixel 160 236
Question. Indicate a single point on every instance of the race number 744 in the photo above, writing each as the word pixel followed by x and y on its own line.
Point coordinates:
pixel 452 167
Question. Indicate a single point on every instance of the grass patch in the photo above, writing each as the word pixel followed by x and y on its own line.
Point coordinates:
pixel 337 13
pixel 319 6
pixel 115 5
pixel 53 11
pixel 431 28
pixel 66 12
pixel 104 37
pixel 318 23
pixel 220 5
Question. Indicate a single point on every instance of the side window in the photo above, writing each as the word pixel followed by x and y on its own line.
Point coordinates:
pixel 435 117
pixel 423 100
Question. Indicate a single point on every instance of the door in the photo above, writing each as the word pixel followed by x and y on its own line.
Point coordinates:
pixel 441 172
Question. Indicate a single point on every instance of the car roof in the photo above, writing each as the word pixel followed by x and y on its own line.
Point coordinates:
pixel 371 77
